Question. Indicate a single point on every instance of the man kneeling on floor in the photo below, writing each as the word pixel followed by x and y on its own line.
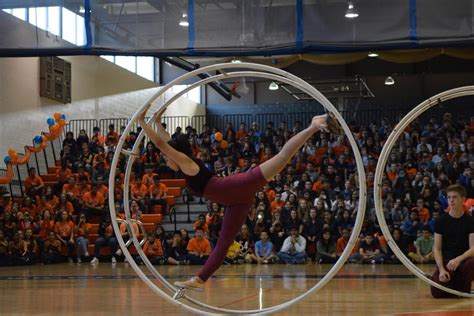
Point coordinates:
pixel 454 246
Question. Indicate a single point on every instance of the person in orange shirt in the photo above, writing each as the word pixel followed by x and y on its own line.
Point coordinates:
pixel 201 223
pixel 34 181
pixel 101 187
pixel 99 157
pixel 158 192
pixel 199 248
pixel 43 205
pixel 93 201
pixel 81 231
pixel 64 230
pixel 71 189
pixel 63 175
pixel 269 192
pixel 339 146
pixel 318 185
pixel 139 192
pixel 51 198
pixel 320 153
pixel 392 173
pixel 423 212
pixel 29 207
pixel 148 177
pixel 277 203
pixel 82 173
pixel 97 136
pixel 46 226
pixel 83 186
pixel 267 155
pixel 124 228
pixel 26 222
pixel 343 241
pixel 153 250
pixel 242 132
pixel 63 205
pixel 112 137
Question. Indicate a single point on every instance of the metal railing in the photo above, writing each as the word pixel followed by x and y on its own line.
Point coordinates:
pixel 75 126
pixel 42 161
pixel 362 117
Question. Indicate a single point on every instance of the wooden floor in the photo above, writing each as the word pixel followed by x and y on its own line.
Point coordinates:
pixel 68 289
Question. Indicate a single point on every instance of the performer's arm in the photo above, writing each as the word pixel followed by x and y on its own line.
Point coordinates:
pixel 438 254
pixel 186 164
pixel 454 263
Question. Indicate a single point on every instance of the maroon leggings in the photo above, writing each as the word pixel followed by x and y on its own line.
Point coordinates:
pixel 237 194
pixel 461 280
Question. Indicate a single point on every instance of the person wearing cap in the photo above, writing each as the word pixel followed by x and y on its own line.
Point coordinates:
pixel 294 248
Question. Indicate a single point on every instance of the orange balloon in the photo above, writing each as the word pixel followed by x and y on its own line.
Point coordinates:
pixel 61 122
pixel 218 136
pixel 224 144
pixel 45 139
pixel 57 116
pixel 11 152
pixel 54 129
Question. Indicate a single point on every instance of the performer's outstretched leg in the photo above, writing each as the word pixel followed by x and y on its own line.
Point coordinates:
pixel 233 220
pixel 235 214
pixel 273 166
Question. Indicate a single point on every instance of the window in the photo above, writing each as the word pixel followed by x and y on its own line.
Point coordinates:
pixel 54 20
pixel 38 17
pixel 19 13
pixel 109 58
pixel 69 26
pixel 81 31
pixel 127 62
pixel 193 95
pixel 145 67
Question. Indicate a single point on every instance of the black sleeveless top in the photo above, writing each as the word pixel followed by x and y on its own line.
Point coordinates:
pixel 197 184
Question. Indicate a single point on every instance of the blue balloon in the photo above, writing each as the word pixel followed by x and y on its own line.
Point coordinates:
pixel 7 160
pixel 50 121
pixel 38 139
pixel 63 116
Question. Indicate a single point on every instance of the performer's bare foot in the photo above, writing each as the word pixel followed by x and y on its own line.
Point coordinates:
pixel 333 124
pixel 194 283
pixel 320 123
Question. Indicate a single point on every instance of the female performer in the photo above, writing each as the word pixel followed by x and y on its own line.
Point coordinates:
pixel 236 192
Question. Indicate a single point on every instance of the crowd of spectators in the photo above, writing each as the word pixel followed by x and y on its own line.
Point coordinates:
pixel 306 213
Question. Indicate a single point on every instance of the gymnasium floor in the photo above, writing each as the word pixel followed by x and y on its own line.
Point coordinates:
pixel 69 289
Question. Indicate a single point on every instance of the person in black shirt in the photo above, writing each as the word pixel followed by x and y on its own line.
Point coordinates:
pixel 454 246
pixel 177 252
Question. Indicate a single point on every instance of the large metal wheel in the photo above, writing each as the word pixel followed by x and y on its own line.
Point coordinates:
pixel 228 70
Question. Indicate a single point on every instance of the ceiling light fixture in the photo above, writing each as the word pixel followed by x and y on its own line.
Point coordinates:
pixel 389 81
pixel 273 86
pixel 351 12
pixel 236 61
pixel 184 21
pixel 373 54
